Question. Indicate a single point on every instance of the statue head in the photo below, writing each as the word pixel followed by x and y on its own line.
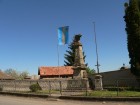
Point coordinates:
pixel 77 37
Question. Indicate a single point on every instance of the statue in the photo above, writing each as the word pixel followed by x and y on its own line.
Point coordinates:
pixel 77 38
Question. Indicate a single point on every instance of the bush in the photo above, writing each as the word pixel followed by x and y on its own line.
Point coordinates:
pixel 35 87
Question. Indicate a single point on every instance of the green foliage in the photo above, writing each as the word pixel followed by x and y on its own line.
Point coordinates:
pixel 69 57
pixel 90 71
pixel 132 19
pixel 35 87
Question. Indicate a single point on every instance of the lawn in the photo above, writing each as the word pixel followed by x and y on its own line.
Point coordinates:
pixel 114 93
pixel 104 93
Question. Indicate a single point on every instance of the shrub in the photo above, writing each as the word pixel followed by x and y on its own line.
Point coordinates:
pixel 35 87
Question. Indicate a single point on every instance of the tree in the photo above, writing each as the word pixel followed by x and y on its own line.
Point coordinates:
pixel 90 71
pixel 132 19
pixel 23 75
pixel 69 57
pixel 15 74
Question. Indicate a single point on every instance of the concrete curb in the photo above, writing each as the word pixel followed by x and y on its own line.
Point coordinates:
pixel 24 94
pixel 87 98
pixel 80 98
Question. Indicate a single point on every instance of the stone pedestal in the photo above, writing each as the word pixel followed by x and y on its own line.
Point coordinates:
pixel 79 73
pixel 98 82
pixel 77 84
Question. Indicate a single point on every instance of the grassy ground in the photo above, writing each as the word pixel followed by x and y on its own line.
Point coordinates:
pixel 114 93
pixel 90 93
pixel 48 92
pixel 98 93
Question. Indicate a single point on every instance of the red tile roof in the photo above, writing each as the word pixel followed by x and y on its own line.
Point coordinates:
pixel 62 70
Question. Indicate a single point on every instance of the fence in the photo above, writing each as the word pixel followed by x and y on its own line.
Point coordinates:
pixel 121 87
pixel 60 87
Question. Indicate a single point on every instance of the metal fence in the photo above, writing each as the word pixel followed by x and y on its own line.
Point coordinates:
pixel 121 87
pixel 57 87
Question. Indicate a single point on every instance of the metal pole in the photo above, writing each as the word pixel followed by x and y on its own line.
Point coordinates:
pixel 96 49
pixel 50 88
pixel 58 58
pixel 15 85
pixel 60 87
pixel 117 87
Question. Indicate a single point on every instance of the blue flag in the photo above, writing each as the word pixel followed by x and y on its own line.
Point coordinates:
pixel 63 35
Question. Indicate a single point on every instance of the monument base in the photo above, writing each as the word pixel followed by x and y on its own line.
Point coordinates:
pixel 98 82
pixel 79 74
pixel 77 84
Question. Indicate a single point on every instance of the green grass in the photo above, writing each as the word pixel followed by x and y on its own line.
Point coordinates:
pixel 47 91
pixel 104 93
pixel 42 92
pixel 129 93
pixel 114 94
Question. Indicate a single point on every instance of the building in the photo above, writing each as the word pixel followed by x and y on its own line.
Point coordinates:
pixel 4 76
pixel 55 72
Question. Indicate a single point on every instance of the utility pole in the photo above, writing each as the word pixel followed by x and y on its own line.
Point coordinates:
pixel 96 49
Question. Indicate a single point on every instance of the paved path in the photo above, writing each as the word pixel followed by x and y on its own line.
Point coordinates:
pixel 14 100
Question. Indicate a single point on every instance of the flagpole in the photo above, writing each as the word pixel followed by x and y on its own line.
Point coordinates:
pixel 58 58
pixel 96 49
pixel 62 40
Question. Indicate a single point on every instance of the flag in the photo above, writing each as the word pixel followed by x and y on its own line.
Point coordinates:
pixel 63 35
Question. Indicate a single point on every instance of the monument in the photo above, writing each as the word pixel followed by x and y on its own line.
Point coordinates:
pixel 79 65
pixel 80 80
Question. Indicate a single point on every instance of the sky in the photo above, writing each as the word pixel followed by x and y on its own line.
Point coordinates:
pixel 28 32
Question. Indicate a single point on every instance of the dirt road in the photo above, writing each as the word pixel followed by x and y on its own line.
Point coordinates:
pixel 14 100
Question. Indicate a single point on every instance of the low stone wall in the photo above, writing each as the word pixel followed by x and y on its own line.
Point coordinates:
pixel 46 84
pixel 115 78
